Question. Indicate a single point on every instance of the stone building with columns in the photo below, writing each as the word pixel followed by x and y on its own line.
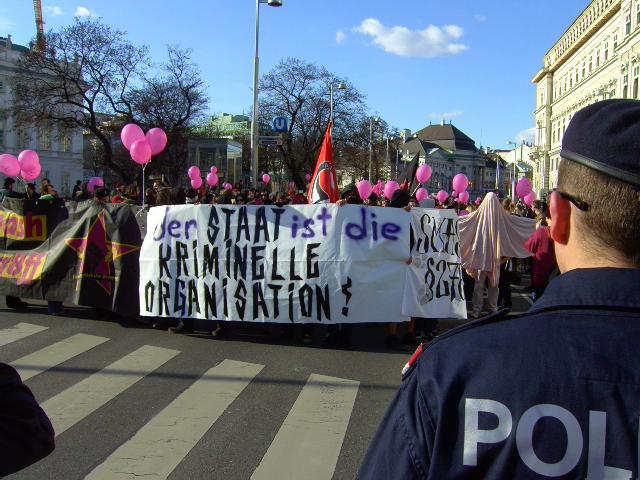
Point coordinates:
pixel 596 58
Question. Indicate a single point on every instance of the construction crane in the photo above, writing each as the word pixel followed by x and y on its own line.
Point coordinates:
pixel 37 7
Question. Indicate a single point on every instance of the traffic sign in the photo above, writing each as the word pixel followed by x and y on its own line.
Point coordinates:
pixel 266 140
pixel 280 124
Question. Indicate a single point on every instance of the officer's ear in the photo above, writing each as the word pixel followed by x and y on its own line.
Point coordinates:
pixel 560 212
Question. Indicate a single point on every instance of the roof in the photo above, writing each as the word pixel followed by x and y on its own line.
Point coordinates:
pixel 446 136
pixel 14 47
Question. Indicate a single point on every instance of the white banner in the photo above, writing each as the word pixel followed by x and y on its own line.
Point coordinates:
pixel 434 287
pixel 295 264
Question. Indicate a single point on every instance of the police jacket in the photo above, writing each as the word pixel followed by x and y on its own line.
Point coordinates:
pixel 553 393
pixel 26 434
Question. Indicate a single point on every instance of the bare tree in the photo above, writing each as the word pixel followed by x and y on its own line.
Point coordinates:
pixel 174 102
pixel 91 77
pixel 300 91
pixel 86 70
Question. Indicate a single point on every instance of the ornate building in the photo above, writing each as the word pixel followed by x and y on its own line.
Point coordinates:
pixel 596 58
pixel 449 151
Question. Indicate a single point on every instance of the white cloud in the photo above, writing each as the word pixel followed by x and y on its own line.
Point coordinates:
pixel 428 43
pixel 53 10
pixel 340 37
pixel 446 115
pixel 527 136
pixel 6 26
pixel 480 18
pixel 83 12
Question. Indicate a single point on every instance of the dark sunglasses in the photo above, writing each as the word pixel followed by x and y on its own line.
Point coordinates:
pixel 579 204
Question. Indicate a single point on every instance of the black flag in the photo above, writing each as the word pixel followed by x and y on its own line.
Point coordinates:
pixel 408 175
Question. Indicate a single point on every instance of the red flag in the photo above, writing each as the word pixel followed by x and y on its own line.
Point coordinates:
pixel 324 184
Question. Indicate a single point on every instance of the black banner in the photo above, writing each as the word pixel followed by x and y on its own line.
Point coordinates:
pixel 79 253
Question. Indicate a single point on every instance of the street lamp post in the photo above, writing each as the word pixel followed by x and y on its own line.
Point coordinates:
pixel 340 86
pixel 371 122
pixel 513 180
pixel 254 117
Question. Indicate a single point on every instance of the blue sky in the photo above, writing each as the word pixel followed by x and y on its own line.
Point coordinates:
pixel 415 60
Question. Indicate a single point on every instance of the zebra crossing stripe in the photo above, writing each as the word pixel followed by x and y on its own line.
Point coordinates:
pixel 75 403
pixel 42 360
pixel 310 439
pixel 158 447
pixel 18 332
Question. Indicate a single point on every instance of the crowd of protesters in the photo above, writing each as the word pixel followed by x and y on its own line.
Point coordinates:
pixel 541 263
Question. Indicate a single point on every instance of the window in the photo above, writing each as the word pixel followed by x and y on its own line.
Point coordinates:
pixel 584 71
pixel 597 58
pixel 606 52
pixel 1 132
pixel 615 42
pixel 590 64
pixel 635 88
pixel 628 26
pixel 625 86
pixel 65 180
pixel 638 15
pixel 23 138
pixel 65 143
pixel 44 137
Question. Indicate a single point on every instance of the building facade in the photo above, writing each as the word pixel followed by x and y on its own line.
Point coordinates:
pixel 220 152
pixel 448 151
pixel 60 151
pixel 596 58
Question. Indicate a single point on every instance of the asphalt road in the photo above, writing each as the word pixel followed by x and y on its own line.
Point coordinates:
pixel 129 401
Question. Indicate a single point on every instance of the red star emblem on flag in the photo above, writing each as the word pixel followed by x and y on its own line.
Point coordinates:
pixel 97 252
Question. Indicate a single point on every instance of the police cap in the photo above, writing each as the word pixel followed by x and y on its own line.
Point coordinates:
pixel 605 136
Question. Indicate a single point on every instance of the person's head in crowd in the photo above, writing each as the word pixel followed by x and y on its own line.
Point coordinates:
pixel 150 196
pixel 78 184
pixel 101 195
pixel 132 193
pixel 266 199
pixel 595 211
pixel 121 188
pixel 8 183
pixel 241 199
pixel 399 199
pixel 31 190
pixel 159 185
pixel 298 198
pixel 177 196
pixel 163 196
pixel 372 200
pixel 50 190
pixel 191 196
pixel 44 183
pixel 539 208
pixel 413 201
pixel 507 204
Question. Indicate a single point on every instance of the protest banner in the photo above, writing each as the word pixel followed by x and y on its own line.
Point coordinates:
pixel 295 264
pixel 72 252
pixel 434 286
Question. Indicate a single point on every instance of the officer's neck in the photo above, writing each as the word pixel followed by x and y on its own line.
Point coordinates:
pixel 576 255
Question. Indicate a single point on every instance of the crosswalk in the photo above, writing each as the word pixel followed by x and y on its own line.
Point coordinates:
pixel 306 445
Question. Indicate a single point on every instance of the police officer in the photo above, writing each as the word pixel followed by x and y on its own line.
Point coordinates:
pixel 555 392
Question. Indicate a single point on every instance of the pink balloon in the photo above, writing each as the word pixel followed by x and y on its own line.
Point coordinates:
pixel 30 175
pixel 157 140
pixel 9 165
pixel 93 183
pixel 196 183
pixel 194 172
pixel 478 201
pixel 389 188
pixel 214 169
pixel 523 187
pixel 28 160
pixel 529 198
pixel 423 174
pixel 140 152
pixel 460 182
pixel 266 178
pixel 212 179
pixel 463 213
pixel 364 189
pixel 442 196
pixel 421 194
pixel 464 197
pixel 130 134
pixel 307 177
pixel 454 194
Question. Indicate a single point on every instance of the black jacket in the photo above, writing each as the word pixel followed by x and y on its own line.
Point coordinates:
pixel 26 434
